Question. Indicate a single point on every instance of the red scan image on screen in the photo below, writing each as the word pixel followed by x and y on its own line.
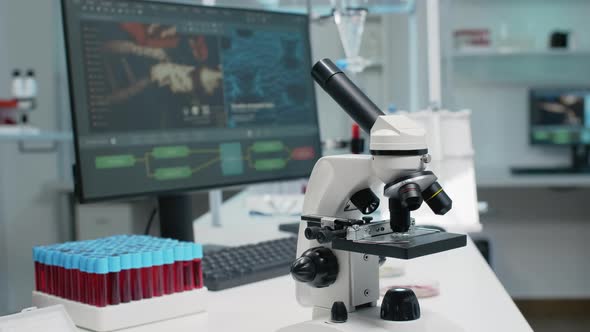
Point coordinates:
pixel 199 48
pixel 303 153
pixel 142 36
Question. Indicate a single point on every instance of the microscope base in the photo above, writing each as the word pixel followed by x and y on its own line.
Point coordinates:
pixel 368 320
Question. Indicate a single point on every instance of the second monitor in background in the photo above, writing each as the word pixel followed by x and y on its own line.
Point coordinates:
pixel 561 117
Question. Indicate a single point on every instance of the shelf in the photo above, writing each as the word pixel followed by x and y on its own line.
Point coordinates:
pixel 20 134
pixel 503 178
pixel 540 67
pixel 519 53
pixel 320 7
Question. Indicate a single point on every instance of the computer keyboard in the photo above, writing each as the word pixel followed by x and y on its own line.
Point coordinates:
pixel 246 264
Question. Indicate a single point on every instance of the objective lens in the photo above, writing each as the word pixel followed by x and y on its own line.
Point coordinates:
pixel 437 199
pixel 410 196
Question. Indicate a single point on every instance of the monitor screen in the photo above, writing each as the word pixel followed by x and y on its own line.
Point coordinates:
pixel 560 116
pixel 170 97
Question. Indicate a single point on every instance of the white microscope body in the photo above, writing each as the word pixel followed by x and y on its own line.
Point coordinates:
pixel 339 252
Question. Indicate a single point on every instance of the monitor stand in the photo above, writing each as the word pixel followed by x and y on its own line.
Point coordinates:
pixel 579 164
pixel 176 214
pixel 176 217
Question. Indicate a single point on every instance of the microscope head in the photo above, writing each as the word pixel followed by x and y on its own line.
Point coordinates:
pixel 398 146
pixel 397 143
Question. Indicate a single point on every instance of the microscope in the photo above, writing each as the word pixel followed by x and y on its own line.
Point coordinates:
pixel 340 246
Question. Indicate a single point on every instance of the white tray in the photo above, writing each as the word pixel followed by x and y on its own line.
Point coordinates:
pixel 125 315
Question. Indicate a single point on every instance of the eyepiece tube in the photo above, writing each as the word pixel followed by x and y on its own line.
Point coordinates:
pixel 358 106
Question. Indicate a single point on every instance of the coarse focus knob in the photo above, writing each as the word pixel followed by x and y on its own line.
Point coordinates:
pixel 400 304
pixel 317 267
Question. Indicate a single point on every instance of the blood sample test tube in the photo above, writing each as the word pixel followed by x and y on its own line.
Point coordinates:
pixel 44 270
pixel 197 268
pixel 37 267
pixel 100 281
pixel 53 269
pixel 147 276
pixel 60 274
pixel 89 280
pixel 168 271
pixel 158 272
pixel 67 276
pixel 49 270
pixel 178 270
pixel 136 285
pixel 57 261
pixel 125 278
pixel 75 277
pixel 84 294
pixel 187 267
pixel 114 280
pixel 40 270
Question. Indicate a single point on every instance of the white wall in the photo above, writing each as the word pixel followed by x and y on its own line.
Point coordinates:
pixel 29 212
pixel 539 235
pixel 496 88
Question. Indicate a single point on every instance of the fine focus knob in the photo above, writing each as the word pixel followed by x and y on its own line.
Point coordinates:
pixel 400 304
pixel 317 267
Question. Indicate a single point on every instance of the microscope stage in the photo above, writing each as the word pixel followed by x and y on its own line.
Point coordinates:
pixel 420 242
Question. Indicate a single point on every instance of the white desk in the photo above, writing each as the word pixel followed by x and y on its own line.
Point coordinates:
pixel 470 292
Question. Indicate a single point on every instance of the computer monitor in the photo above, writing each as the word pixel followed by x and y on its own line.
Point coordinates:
pixel 561 116
pixel 170 98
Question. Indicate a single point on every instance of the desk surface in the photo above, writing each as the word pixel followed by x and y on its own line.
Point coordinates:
pixel 470 293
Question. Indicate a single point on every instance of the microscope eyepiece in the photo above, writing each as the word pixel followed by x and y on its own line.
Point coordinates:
pixel 437 199
pixel 323 70
pixel 358 106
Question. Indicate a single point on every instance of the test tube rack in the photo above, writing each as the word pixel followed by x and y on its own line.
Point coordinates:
pixel 120 281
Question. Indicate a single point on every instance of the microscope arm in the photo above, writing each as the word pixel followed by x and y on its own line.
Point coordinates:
pixel 334 181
